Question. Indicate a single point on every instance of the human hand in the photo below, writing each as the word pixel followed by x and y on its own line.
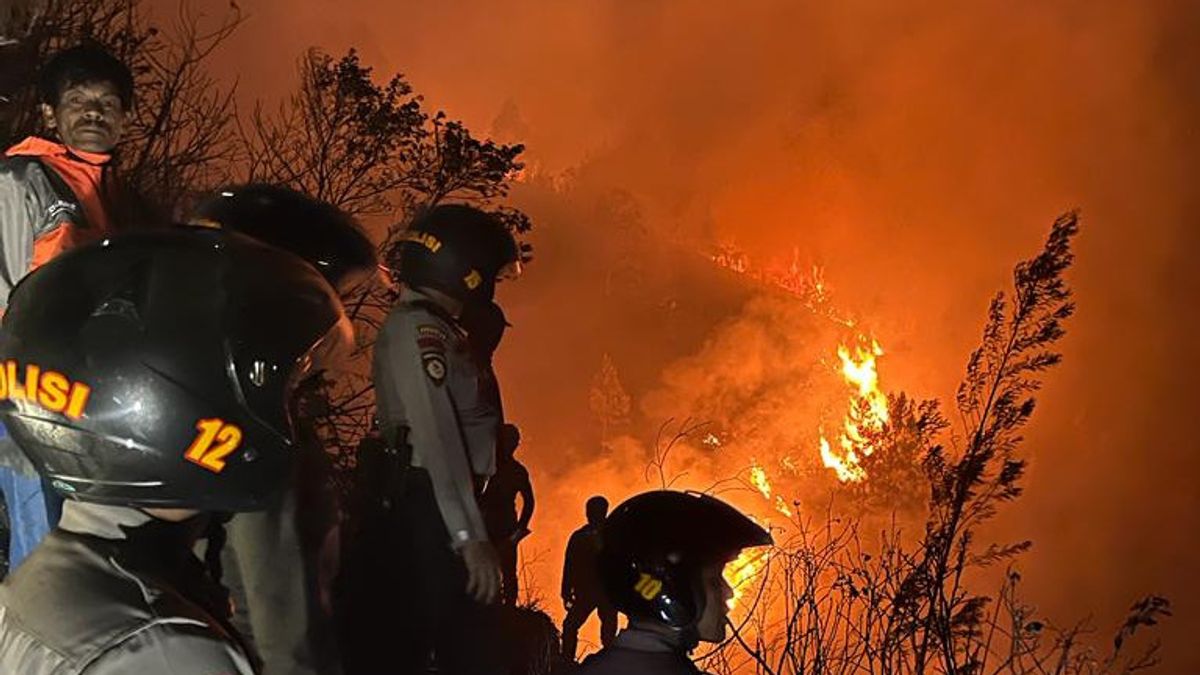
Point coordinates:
pixel 483 571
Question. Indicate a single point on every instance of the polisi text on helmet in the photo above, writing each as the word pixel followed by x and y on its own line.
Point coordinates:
pixel 423 238
pixel 46 388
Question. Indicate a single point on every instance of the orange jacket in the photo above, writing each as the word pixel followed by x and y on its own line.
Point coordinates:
pixel 38 221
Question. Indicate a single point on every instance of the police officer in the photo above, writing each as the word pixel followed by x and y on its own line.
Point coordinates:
pixel 149 379
pixel 438 415
pixel 662 558
pixel 271 562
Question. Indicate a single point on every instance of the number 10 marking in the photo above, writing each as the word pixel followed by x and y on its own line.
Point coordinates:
pixel 213 444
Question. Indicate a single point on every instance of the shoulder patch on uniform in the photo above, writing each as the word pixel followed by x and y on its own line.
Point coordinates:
pixel 431 339
pixel 428 344
pixel 432 330
pixel 435 366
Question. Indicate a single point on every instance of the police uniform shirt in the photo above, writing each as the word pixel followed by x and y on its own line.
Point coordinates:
pixel 427 382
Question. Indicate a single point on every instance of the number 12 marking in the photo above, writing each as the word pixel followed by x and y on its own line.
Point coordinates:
pixel 213 444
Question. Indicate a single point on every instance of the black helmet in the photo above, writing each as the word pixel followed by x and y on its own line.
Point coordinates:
pixel 458 250
pixel 157 369
pixel 326 237
pixel 655 544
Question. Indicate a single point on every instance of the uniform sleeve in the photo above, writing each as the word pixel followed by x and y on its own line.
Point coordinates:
pixel 18 225
pixel 415 368
pixel 172 649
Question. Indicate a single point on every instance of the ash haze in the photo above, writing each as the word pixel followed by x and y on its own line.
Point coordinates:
pixel 916 150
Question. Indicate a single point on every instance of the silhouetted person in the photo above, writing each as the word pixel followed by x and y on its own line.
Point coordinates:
pixel 582 589
pixel 499 501
pixel 485 324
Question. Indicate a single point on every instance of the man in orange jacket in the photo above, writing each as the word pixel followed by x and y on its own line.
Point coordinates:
pixel 57 193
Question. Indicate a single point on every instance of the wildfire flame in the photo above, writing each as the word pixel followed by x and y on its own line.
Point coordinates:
pixel 807 284
pixel 739 573
pixel 758 478
pixel 868 409
pixel 868 412
pixel 743 570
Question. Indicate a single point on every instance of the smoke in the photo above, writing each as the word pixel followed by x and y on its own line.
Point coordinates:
pixel 915 151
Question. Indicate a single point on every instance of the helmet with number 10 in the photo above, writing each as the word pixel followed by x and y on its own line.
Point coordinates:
pixel 662 555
